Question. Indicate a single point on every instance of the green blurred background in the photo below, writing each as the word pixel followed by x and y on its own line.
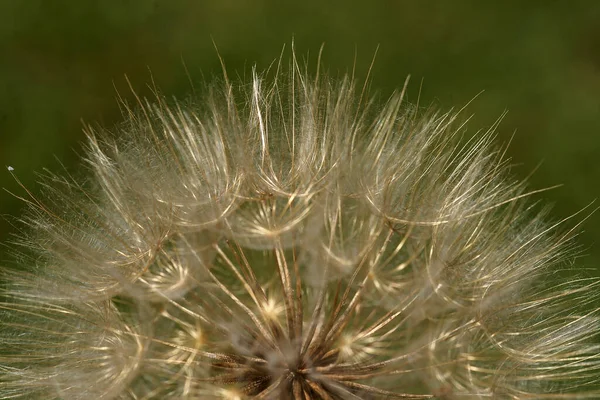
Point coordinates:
pixel 63 61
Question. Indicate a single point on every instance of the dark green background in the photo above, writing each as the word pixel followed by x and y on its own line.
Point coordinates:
pixel 63 61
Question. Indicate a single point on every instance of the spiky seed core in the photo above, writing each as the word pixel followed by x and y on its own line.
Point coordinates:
pixel 273 352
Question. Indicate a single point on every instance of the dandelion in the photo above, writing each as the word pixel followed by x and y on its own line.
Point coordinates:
pixel 289 238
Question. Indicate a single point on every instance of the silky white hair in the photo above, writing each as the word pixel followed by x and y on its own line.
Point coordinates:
pixel 291 238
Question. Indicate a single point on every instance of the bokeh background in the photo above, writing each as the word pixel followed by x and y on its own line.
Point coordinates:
pixel 64 61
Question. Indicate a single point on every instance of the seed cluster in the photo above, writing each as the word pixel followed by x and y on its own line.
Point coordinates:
pixel 293 240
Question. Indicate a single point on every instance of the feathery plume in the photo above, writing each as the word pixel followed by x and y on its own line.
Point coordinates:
pixel 288 238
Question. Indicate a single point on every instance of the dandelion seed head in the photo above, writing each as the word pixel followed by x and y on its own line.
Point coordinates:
pixel 289 238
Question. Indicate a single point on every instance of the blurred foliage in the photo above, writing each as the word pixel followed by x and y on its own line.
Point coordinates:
pixel 63 62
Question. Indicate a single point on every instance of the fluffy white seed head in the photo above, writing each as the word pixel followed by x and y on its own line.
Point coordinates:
pixel 288 238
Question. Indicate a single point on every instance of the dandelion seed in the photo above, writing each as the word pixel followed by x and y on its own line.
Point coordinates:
pixel 10 168
pixel 283 240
